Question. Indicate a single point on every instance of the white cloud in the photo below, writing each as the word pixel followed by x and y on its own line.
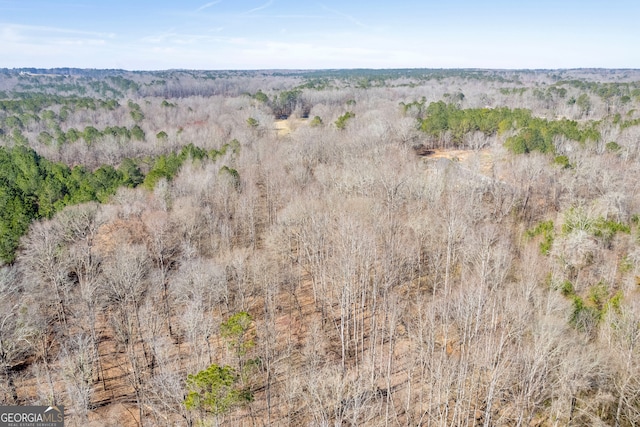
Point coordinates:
pixel 208 5
pixel 264 6
pixel 346 16
pixel 25 45
pixel 32 31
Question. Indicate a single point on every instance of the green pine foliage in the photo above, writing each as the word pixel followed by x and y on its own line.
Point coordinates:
pixel 252 122
pixel 539 135
pixel 315 122
pixel 602 228
pixel 137 133
pixel 89 134
pixel 261 97
pixel 32 187
pixel 236 331
pixel 587 313
pixel 341 122
pixel 562 161
pixel 284 104
pixel 531 133
pixel 546 230
pixel 218 389
pixel 167 166
pixel 440 117
pixel 612 146
pixel 215 390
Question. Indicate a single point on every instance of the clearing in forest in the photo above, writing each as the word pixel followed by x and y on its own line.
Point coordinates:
pixel 286 126
pixel 465 157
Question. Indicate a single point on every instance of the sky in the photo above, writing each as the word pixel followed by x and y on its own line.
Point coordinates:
pixel 287 34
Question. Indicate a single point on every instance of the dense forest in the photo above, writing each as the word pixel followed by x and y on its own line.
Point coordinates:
pixel 336 247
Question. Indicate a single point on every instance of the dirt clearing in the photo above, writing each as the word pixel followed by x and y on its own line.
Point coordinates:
pixel 285 127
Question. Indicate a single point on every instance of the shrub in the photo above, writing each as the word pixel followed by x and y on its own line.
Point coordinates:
pixel 341 123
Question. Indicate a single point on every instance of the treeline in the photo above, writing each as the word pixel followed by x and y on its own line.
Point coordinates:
pixel 80 82
pixel 531 133
pixel 283 104
pixel 28 102
pixel 31 187
pixel 625 90
pixel 380 77
pixel 167 166
pixel 90 134
pixel 27 108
